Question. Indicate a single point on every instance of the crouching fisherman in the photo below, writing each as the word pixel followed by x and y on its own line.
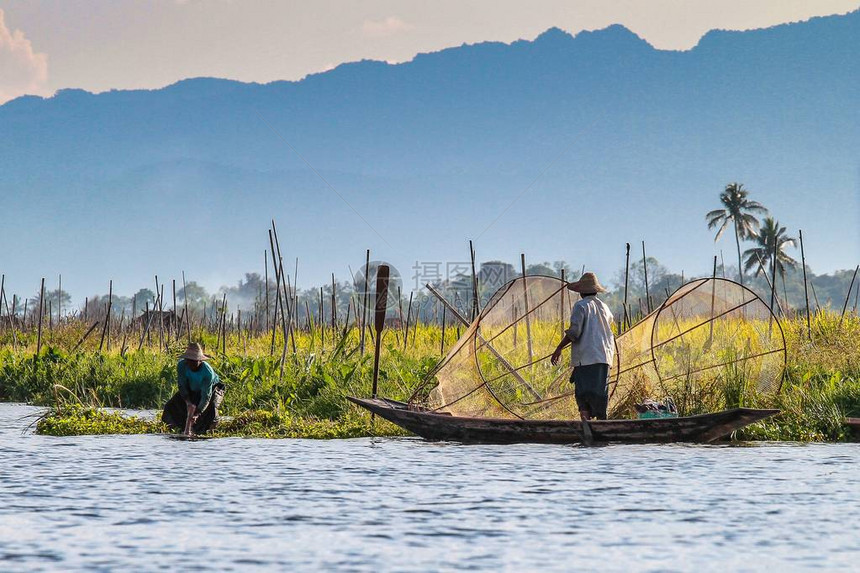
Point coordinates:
pixel 194 409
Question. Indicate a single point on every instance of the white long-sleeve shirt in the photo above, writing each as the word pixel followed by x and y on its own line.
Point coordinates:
pixel 591 333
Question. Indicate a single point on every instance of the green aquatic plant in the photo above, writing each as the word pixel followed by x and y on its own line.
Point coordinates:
pixel 83 420
pixel 86 421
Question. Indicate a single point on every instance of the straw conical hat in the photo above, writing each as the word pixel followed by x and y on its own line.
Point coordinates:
pixel 195 352
pixel 587 283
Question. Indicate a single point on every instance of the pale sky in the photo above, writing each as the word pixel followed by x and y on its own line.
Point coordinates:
pixel 98 45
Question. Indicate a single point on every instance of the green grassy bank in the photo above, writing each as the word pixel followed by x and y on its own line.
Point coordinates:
pixel 821 386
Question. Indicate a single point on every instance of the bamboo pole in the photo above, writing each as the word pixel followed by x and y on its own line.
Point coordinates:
pixel 294 315
pixel 164 333
pixel 854 309
pixel 221 322
pixel 346 322
pixel 84 337
pixel 286 304
pixel 333 305
pixel 526 309
pixel 119 329
pixel 457 305
pixel 290 314
pixel 41 304
pixel 645 268
pixel 106 326
pixel 175 316
pixel 415 324
pixel 353 301
pixel 848 296
pixel 400 308
pixel 515 321
pixel 224 325
pixel 238 326
pixel 108 317
pixel 124 347
pixel 805 285
pixel 408 318
pixel 219 313
pixel 767 279
pixel 157 308
pixel 159 290
pixel 773 273
pixel 277 292
pixel 713 302
pixel 13 319
pixel 322 320
pixel 444 317
pixel 294 306
pixel 815 297
pixel 145 333
pixel 476 310
pixel 626 283
pixel 563 315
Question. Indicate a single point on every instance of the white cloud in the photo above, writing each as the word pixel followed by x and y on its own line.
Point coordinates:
pixel 386 27
pixel 22 71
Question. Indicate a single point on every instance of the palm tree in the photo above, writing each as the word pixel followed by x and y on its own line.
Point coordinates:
pixel 738 210
pixel 770 239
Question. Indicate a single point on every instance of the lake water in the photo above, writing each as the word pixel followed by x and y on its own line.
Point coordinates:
pixel 149 502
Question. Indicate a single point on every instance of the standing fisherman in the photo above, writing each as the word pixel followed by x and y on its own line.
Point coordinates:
pixel 592 348
pixel 195 406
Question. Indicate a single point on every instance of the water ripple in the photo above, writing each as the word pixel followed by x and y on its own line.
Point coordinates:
pixel 146 502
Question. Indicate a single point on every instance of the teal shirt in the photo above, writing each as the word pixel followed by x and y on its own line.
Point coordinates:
pixel 203 381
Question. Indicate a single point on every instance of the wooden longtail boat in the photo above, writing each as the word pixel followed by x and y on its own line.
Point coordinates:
pixel 435 426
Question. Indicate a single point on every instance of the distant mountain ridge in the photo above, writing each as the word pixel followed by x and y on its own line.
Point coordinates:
pixel 600 123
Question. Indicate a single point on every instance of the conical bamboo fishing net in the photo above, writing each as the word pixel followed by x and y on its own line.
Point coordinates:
pixel 709 341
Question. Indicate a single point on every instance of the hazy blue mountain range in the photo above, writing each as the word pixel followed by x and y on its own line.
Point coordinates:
pixel 604 139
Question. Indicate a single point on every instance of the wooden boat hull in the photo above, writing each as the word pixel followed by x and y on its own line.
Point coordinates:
pixel 431 426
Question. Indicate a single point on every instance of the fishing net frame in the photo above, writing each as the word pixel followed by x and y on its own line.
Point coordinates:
pixel 471 377
pixel 753 312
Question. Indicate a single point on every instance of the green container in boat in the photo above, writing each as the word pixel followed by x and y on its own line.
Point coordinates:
pixel 650 414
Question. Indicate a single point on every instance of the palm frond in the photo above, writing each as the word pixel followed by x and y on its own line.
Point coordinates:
pixel 755 207
pixel 714 217
pixel 722 229
pixel 752 260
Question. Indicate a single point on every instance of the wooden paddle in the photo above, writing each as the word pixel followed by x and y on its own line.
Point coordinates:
pixel 382 274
